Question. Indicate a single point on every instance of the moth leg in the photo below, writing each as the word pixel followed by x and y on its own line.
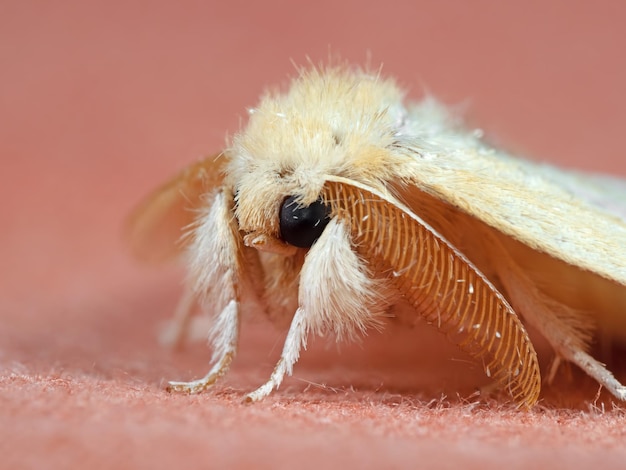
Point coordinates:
pixel 554 368
pixel 177 328
pixel 566 346
pixel 225 338
pixel 216 256
pixel 562 327
pixel 296 339
pixel 336 294
pixel 598 371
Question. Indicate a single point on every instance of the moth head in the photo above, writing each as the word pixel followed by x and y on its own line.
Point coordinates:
pixel 336 123
pixel 285 208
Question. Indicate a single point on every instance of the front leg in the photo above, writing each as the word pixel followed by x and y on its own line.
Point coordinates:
pixel 336 294
pixel 216 263
pixel 225 336
pixel 296 339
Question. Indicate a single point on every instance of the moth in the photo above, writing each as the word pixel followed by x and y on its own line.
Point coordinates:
pixel 340 205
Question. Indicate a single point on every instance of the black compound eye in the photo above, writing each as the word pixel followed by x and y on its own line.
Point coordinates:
pixel 301 225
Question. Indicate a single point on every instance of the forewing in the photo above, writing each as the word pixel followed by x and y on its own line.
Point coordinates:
pixel 155 228
pixel 441 284
pixel 606 193
pixel 579 220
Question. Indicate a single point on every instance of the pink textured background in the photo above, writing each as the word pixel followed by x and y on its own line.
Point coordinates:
pixel 101 101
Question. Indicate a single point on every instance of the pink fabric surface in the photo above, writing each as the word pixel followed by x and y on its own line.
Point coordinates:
pixel 101 102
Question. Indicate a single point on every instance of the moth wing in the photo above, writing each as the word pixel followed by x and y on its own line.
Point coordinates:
pixel 155 229
pixel 604 192
pixel 578 219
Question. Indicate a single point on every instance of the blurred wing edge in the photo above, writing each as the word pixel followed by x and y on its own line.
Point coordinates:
pixel 155 230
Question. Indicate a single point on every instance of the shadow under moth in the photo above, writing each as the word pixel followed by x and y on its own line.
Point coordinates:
pixel 340 205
